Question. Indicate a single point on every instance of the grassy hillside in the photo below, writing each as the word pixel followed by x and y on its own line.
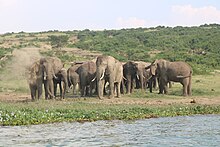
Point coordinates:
pixel 199 46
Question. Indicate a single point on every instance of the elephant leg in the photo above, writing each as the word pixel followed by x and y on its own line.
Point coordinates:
pixel 45 89
pixel 154 82
pixel 55 89
pixel 122 87
pixel 189 91
pixel 118 86
pixel 50 89
pixel 132 85
pixel 33 92
pixel 184 90
pixel 189 88
pixel 87 90
pixel 165 88
pixel 63 89
pixel 150 85
pixel 82 90
pixel 170 84
pixel 111 84
pixel 128 85
pixel 61 84
pixel 74 86
pixel 160 88
pixel 100 88
pixel 39 92
pixel 185 86
pixel 92 86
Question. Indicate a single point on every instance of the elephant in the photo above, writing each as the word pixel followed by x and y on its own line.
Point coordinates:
pixel 35 80
pixel 62 81
pixel 134 71
pixel 51 67
pixel 87 72
pixel 111 70
pixel 172 71
pixel 73 77
pixel 129 72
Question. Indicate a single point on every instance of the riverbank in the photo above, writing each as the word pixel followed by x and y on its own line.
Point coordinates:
pixel 25 112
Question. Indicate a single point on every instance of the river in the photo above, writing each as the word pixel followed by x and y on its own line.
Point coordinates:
pixel 198 130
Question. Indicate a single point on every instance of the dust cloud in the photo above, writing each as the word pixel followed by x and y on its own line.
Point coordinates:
pixel 21 60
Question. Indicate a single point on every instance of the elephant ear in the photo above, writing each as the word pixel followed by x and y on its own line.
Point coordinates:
pixel 153 70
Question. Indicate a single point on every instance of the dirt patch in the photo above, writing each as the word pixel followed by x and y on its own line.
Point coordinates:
pixel 15 97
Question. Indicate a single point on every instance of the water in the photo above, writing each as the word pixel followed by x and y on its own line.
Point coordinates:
pixel 199 130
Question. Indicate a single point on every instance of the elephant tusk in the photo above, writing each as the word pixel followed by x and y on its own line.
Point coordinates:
pixel 138 77
pixel 93 79
pixel 55 77
pixel 125 78
pixel 45 76
pixel 102 76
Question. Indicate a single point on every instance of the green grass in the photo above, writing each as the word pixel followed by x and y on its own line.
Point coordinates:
pixel 58 111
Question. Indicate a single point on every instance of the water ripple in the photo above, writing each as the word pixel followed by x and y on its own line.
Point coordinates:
pixel 199 130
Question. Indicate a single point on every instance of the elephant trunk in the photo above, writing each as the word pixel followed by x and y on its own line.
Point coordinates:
pixel 100 83
pixel 50 88
pixel 128 85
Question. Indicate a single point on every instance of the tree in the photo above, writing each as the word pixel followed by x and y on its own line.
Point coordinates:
pixel 58 41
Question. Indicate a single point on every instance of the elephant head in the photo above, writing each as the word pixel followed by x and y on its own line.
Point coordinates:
pixel 158 67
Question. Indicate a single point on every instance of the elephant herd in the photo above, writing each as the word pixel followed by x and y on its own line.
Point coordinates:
pixel 94 76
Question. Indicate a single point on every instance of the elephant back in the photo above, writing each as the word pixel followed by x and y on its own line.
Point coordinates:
pixel 89 66
pixel 180 68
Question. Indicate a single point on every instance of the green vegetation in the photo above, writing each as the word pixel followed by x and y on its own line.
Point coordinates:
pixel 58 41
pixel 50 112
pixel 198 46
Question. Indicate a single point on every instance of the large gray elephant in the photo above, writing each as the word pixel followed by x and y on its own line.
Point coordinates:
pixel 135 72
pixel 35 80
pixel 172 71
pixel 73 77
pixel 111 70
pixel 51 67
pixel 62 81
pixel 87 72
